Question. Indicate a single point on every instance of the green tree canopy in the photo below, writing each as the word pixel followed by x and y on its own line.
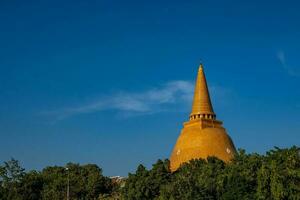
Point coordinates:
pixel 273 176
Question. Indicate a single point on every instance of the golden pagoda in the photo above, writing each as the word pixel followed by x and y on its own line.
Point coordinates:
pixel 202 135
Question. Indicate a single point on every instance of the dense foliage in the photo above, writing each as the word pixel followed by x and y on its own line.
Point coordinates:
pixel 86 182
pixel 274 176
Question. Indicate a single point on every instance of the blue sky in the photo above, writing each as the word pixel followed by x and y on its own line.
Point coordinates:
pixel 110 82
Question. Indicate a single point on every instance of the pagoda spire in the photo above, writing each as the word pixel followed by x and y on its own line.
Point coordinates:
pixel 202 107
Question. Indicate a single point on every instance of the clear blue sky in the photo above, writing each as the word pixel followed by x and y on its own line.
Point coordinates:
pixel 110 82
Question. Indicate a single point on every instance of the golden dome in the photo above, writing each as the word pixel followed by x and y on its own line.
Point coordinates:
pixel 202 135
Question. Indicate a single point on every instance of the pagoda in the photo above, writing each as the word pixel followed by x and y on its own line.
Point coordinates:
pixel 203 135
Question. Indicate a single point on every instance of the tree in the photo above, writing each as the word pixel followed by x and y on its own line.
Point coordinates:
pixel 194 180
pixel 55 183
pixel 11 175
pixel 95 183
pixel 86 182
pixel 31 186
pixel 11 172
pixel 239 179
pixel 146 184
pixel 279 177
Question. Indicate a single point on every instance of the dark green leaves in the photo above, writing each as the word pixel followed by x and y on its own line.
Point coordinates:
pixel 275 175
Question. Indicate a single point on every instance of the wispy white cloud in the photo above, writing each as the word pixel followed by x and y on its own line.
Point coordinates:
pixel 145 102
pixel 287 68
pixel 172 96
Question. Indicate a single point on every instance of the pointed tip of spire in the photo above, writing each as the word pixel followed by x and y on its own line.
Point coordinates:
pixel 201 66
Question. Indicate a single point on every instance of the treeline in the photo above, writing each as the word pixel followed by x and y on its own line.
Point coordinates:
pixel 86 182
pixel 274 176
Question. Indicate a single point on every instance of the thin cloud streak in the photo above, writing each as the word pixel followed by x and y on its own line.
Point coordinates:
pixel 172 96
pixel 287 68
pixel 147 102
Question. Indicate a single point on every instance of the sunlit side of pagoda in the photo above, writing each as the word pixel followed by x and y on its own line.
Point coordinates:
pixel 203 135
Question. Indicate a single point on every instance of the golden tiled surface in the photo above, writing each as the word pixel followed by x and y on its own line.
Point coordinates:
pixel 201 101
pixel 198 141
